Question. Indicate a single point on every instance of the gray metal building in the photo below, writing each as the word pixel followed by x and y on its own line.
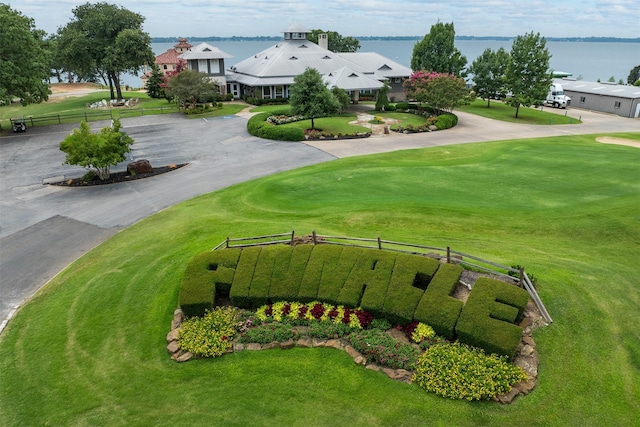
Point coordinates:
pixel 604 97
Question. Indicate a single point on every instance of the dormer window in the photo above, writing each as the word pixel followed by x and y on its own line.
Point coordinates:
pixel 326 57
pixel 293 58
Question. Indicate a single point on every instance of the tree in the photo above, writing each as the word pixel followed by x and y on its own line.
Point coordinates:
pixel 335 41
pixel 24 59
pixel 309 96
pixel 634 75
pixel 190 87
pixel 489 73
pixel 440 91
pixel 528 76
pixel 155 83
pixel 437 52
pixel 342 96
pixel 99 151
pixel 107 39
pixel 382 97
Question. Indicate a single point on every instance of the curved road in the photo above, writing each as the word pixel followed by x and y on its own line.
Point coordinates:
pixel 43 228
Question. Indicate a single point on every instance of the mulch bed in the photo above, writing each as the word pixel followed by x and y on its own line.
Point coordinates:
pixel 117 177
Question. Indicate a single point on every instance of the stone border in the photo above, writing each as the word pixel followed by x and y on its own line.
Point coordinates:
pixel 526 356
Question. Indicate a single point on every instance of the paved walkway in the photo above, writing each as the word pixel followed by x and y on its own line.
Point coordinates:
pixel 44 228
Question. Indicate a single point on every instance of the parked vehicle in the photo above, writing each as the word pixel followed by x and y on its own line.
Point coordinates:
pixel 556 97
pixel 19 125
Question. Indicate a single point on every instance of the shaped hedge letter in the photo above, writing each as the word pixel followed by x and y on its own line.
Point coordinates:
pixel 487 320
pixel 207 274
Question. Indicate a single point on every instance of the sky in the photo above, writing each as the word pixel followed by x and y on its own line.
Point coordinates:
pixel 224 18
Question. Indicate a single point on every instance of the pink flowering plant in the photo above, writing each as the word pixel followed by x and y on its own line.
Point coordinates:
pixel 299 313
pixel 441 91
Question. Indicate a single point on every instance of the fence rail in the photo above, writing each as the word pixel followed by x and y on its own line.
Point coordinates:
pixel 454 256
pixel 88 116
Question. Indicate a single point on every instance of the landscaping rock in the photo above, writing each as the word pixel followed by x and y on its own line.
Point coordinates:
pixel 372 367
pixel 334 344
pixel 352 351
pixel 238 346
pixel 271 345
pixel 306 342
pixel 319 343
pixel 184 357
pixel 139 167
pixel 508 397
pixel 525 387
pixel 172 347
pixel 173 335
pixel 288 344
pixel 252 346
pixel 360 360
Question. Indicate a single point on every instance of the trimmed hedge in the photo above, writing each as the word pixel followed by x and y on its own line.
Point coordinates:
pixel 446 121
pixel 207 274
pixel 402 288
pixel 437 307
pixel 323 257
pixel 242 279
pixel 411 276
pixel 370 275
pixel 488 316
pixel 258 126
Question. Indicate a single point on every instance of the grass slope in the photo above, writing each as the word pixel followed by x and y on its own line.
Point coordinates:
pixel 89 348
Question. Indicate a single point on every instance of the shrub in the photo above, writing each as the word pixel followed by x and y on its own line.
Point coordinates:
pixel 446 121
pixel 272 332
pixel 380 347
pixel 328 330
pixel 242 279
pixel 211 335
pixel 207 274
pixel 488 315
pixel 458 371
pixel 380 324
pixel 437 307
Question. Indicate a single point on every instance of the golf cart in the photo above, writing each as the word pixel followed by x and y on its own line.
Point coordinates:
pixel 19 125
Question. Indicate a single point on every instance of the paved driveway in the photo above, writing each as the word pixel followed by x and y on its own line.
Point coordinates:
pixel 44 228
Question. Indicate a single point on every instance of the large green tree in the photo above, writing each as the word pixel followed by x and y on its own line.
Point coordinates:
pixel 528 76
pixel 190 87
pixel 24 59
pixel 335 41
pixel 437 52
pixel 96 150
pixel 107 38
pixel 634 75
pixel 489 71
pixel 310 97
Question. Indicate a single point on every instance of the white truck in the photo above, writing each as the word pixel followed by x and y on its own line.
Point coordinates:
pixel 556 97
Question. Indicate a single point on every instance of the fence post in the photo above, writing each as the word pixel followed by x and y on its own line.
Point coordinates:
pixel 293 232
pixel 31 118
pixel 227 242
pixel 379 243
pixel 521 275
pixel 448 255
pixel 313 233
pixel 59 121
pixel 85 117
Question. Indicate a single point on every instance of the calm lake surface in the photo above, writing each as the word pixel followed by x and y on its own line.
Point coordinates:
pixel 587 60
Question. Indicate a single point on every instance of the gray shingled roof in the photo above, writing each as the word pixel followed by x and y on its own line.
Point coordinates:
pixel 205 51
pixel 381 65
pixel 348 79
pixel 598 88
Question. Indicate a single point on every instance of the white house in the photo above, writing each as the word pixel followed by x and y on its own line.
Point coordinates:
pixel 269 74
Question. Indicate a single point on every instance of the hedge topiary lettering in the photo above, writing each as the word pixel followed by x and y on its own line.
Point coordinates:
pixel 399 287
pixel 487 320
pixel 438 308
pixel 207 274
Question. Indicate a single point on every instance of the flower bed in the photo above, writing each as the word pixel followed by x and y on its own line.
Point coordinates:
pixel 451 370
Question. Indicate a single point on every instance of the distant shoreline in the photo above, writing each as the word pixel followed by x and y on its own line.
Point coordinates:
pixel 494 38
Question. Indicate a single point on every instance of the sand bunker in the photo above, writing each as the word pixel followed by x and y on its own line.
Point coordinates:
pixel 618 141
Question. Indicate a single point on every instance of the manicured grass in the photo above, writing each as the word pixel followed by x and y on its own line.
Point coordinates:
pixel 89 348
pixel 404 119
pixel 78 104
pixel 335 125
pixel 501 111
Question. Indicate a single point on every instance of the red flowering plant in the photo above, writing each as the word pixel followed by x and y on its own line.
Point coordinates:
pixel 295 312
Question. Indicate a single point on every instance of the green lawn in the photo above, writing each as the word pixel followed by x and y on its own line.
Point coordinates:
pixel 500 111
pixel 78 104
pixel 89 349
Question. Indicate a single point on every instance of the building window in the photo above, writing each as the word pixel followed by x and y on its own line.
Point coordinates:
pixel 398 79
pixel 582 100
pixel 266 92
pixel 165 66
pixel 617 104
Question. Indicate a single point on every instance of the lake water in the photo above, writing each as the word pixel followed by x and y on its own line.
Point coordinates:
pixel 589 60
